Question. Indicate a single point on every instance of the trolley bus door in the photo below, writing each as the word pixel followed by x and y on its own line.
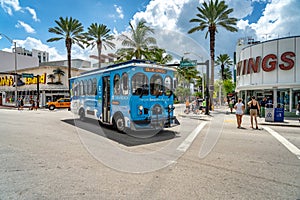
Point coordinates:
pixel 106 99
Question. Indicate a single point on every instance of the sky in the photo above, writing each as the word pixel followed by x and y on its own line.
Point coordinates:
pixel 27 22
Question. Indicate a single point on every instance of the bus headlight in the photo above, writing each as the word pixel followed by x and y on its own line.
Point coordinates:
pixel 141 109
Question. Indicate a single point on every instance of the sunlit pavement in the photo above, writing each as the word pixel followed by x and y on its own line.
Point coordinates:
pixel 288 121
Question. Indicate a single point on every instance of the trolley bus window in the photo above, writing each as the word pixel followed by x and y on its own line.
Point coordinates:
pixel 124 83
pixel 85 87
pixel 81 88
pixel 117 84
pixel 139 83
pixel 75 88
pixel 156 85
pixel 168 86
pixel 89 87
pixel 94 90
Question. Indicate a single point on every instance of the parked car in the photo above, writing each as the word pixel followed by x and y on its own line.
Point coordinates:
pixel 60 103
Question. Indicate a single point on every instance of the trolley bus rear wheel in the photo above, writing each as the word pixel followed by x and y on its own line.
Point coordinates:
pixel 119 123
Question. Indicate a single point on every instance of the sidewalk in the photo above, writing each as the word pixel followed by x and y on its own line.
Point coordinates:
pixel 179 111
pixel 15 108
pixel 288 121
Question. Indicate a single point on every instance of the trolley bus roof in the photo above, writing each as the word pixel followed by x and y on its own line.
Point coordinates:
pixel 135 62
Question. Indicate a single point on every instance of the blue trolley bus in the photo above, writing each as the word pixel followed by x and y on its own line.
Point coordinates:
pixel 132 96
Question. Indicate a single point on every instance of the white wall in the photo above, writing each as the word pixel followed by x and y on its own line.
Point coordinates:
pixel 274 78
pixel 7 61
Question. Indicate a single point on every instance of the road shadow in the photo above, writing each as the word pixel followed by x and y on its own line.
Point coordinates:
pixel 93 126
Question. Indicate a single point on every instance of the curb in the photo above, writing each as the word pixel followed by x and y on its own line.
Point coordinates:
pixel 281 124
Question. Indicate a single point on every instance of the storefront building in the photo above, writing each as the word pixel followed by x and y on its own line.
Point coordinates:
pixel 53 84
pixel 270 69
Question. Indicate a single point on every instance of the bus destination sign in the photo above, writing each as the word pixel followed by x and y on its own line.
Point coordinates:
pixel 156 70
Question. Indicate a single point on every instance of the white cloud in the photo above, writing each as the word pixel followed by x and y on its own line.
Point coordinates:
pixel 9 5
pixel 242 24
pixel 27 27
pixel 280 19
pixel 33 13
pixel 119 10
pixel 170 19
pixel 242 8
pixel 33 43
pixel 163 14
pixel 13 5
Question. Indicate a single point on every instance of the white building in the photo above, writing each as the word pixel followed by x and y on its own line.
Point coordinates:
pixel 7 61
pixel 75 63
pixel 52 85
pixel 270 69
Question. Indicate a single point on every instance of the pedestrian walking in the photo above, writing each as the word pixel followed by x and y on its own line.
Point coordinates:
pixel 231 104
pixel 19 104
pixel 22 103
pixel 239 112
pixel 187 107
pixel 254 109
pixel 263 104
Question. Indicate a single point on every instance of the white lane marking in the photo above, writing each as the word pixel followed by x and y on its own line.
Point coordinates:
pixel 188 141
pixel 292 148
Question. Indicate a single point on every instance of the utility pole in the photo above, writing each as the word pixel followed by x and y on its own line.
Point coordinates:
pixel 38 91
pixel 16 75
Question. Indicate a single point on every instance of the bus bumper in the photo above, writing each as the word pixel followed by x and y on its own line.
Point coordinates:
pixel 154 123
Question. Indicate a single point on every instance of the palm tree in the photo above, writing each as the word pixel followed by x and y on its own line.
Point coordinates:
pixel 186 74
pixel 224 60
pixel 98 35
pixel 212 15
pixel 158 55
pixel 51 77
pixel 138 42
pixel 59 73
pixel 71 30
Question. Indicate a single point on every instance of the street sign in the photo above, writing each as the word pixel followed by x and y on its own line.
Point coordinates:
pixel 26 75
pixel 188 63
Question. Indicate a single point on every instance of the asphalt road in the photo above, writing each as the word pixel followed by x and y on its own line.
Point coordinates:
pixel 49 155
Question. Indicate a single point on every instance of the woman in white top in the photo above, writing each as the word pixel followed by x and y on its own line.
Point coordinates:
pixel 240 108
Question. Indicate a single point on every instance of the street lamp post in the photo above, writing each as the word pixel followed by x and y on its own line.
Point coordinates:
pixel 16 75
pixel 201 58
pixel 206 63
pixel 207 89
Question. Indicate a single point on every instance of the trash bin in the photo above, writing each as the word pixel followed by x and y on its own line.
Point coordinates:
pixel 269 115
pixel 278 114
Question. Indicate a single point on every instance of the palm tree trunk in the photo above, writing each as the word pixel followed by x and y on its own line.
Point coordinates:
pixel 99 48
pixel 212 32
pixel 69 46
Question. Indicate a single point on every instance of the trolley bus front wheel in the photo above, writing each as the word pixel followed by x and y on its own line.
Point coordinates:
pixel 119 123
